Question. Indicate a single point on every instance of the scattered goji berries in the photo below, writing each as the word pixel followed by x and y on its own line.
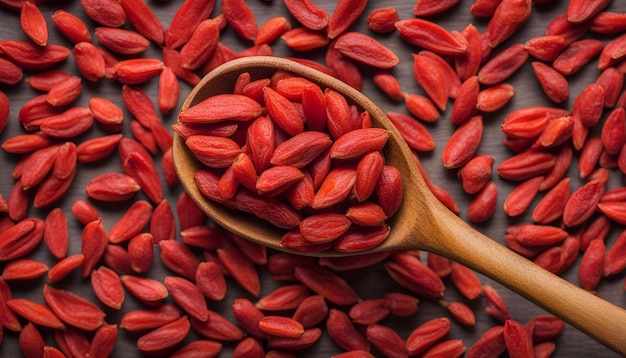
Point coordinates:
pixel 90 136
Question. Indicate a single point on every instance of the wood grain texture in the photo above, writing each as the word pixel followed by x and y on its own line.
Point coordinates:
pixel 371 283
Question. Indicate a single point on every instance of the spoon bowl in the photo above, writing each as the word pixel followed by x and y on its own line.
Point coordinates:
pixel 421 222
pixel 397 154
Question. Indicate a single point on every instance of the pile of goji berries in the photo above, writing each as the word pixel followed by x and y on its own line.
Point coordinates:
pixel 508 104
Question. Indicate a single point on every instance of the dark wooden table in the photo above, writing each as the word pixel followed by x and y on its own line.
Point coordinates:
pixel 372 282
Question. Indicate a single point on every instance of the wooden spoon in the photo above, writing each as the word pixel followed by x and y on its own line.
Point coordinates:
pixel 422 222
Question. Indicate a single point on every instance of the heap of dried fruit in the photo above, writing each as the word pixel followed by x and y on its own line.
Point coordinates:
pixel 103 254
pixel 309 162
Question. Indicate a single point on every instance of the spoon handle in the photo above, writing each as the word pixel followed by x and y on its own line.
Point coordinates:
pixel 594 316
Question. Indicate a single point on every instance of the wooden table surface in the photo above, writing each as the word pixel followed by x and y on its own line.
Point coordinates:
pixel 369 283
